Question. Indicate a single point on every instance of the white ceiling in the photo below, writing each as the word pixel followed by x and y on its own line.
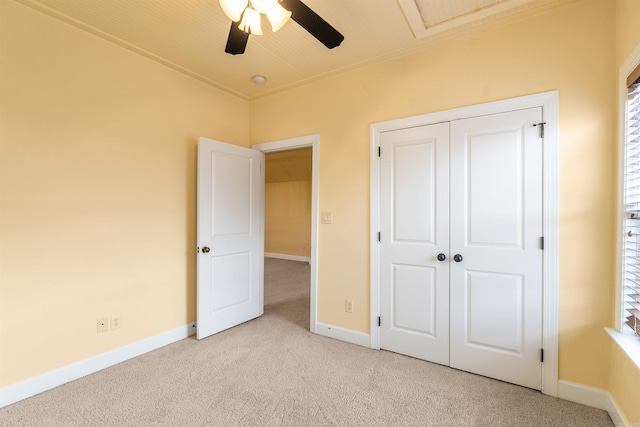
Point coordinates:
pixel 190 35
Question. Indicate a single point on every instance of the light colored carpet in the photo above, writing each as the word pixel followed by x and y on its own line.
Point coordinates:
pixel 273 372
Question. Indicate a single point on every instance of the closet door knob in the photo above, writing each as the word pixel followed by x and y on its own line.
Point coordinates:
pixel 205 250
pixel 457 257
pixel 441 257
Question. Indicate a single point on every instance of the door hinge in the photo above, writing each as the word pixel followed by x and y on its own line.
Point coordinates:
pixel 378 236
pixel 542 243
pixel 542 355
pixel 379 151
pixel 541 128
pixel 378 320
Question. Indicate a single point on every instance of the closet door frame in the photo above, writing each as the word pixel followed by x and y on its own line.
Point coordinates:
pixel 549 103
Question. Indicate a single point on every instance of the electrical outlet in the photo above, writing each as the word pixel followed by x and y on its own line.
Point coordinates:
pixel 102 324
pixel 116 322
pixel 348 306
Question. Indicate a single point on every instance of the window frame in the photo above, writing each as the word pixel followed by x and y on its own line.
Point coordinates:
pixel 631 65
pixel 628 341
pixel 631 194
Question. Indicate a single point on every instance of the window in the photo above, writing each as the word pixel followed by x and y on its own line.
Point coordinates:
pixel 631 279
pixel 627 333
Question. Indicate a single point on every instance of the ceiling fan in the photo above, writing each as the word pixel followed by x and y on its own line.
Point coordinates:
pixel 246 15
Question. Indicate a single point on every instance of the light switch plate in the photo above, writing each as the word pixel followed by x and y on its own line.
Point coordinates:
pixel 326 217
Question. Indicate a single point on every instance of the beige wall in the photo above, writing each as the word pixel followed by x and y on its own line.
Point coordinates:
pixel 287 218
pixel 625 376
pixel 97 184
pixel 569 49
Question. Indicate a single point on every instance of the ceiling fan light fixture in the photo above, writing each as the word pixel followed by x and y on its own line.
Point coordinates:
pixel 264 6
pixel 234 8
pixel 251 22
pixel 278 17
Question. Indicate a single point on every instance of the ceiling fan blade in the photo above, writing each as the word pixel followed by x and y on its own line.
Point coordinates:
pixel 237 41
pixel 313 23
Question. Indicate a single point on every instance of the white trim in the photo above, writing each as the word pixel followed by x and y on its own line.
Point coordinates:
pixel 593 397
pixel 47 381
pixel 288 144
pixel 618 418
pixel 343 334
pixel 528 101
pixel 312 141
pixel 583 394
pixel 550 256
pixel 374 246
pixel 288 257
pixel 549 103
pixel 263 167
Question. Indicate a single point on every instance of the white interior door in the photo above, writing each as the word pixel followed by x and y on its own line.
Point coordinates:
pixel 414 216
pixel 230 236
pixel 496 229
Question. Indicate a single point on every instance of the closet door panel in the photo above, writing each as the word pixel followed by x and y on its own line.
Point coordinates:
pixel 414 215
pixel 496 229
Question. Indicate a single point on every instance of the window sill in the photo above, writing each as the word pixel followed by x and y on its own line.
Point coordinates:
pixel 629 343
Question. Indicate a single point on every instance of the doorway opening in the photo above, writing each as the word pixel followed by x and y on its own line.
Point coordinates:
pixel 285 147
pixel 287 234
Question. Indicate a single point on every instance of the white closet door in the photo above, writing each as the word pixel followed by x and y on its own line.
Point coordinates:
pixel 496 227
pixel 414 215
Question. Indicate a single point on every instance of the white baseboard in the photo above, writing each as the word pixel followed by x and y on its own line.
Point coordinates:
pixel 594 397
pixel 618 418
pixel 343 334
pixel 585 395
pixel 289 257
pixel 58 377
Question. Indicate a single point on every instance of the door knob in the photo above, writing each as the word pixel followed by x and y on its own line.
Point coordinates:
pixel 457 257
pixel 205 250
pixel 441 257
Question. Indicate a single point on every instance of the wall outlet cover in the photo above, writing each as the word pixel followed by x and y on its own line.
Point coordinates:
pixel 116 322
pixel 102 324
pixel 348 306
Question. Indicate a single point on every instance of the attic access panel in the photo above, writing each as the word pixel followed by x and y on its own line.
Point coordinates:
pixel 427 17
